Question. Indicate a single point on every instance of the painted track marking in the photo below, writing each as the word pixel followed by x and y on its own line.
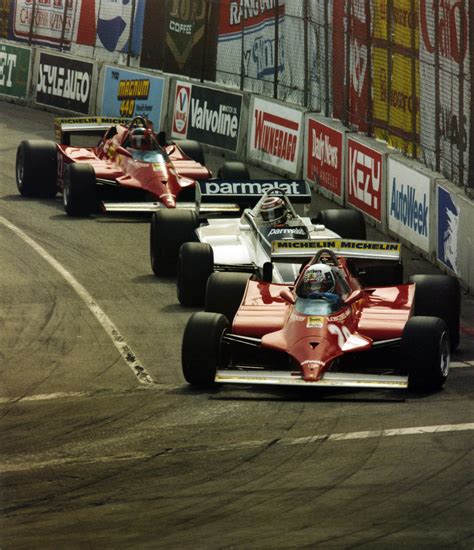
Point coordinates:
pixel 31 462
pixel 118 340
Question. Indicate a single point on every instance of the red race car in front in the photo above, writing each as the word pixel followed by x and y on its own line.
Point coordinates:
pixel 328 329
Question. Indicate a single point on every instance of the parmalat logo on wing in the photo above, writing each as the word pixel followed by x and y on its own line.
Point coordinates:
pixel 250 188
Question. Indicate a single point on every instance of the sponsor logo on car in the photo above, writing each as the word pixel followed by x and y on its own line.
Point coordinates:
pixel 337 244
pixel 341 317
pixel 315 322
pixel 249 188
pixel 288 231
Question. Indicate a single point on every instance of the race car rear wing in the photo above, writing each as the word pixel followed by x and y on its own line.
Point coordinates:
pixel 298 250
pixel 64 128
pixel 246 193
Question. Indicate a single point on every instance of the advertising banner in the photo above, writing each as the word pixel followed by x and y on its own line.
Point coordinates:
pixel 409 203
pixel 325 150
pixel 274 134
pixel 364 177
pixel 130 93
pixel 448 229
pixel 48 22
pixel 180 37
pixel 396 87
pixel 64 82
pixel 60 23
pixel 14 70
pixel 246 41
pixel 444 32
pixel 356 19
pixel 182 102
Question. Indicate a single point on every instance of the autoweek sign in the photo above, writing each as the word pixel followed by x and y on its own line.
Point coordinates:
pixel 207 115
pixel 409 203
pixel 14 70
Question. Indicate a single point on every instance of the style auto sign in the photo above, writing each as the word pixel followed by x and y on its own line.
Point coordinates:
pixel 324 150
pixel 64 82
pixel 275 134
pixel 364 178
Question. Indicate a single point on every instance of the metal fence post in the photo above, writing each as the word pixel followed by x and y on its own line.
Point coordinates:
pixel 461 136
pixel 277 45
pixel 326 60
pixel 368 14
pixel 306 53
pixel 130 36
pixel 437 90
pixel 32 22
pixel 414 109
pixel 347 83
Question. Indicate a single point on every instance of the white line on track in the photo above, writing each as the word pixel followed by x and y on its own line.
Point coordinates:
pixel 31 462
pixel 118 340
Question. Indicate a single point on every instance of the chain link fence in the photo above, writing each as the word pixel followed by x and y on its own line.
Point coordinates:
pixel 397 70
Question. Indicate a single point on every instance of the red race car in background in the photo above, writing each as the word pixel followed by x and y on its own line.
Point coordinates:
pixel 327 329
pixel 131 169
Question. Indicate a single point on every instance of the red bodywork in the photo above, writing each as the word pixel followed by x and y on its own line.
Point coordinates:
pixel 314 341
pixel 161 181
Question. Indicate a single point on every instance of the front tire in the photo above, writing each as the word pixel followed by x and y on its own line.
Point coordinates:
pixel 169 229
pixel 80 191
pixel 36 168
pixel 425 353
pixel 195 265
pixel 202 351
pixel 348 224
pixel 224 293
pixel 439 296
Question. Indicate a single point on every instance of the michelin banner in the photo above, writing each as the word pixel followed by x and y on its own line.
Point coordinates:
pixel 130 93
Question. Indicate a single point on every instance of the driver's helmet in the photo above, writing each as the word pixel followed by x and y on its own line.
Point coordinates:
pixel 318 278
pixel 139 139
pixel 274 210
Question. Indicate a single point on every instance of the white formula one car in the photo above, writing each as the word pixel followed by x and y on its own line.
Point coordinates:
pixel 181 242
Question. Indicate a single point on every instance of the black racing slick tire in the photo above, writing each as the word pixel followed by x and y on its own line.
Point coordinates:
pixel 233 170
pixel 192 149
pixel 348 224
pixel 224 293
pixel 202 352
pixel 36 168
pixel 424 353
pixel 169 229
pixel 383 275
pixel 439 296
pixel 80 190
pixel 195 265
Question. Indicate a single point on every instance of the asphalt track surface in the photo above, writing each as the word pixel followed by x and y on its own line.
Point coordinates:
pixel 94 456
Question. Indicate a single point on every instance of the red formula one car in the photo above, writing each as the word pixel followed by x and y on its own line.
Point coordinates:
pixel 130 169
pixel 327 329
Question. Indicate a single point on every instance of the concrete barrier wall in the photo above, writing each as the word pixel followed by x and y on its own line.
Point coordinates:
pixel 397 195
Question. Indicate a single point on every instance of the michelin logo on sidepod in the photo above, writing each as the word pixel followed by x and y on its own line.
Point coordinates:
pixel 255 187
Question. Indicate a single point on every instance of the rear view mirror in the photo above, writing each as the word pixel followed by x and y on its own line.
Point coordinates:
pixel 287 295
pixel 122 151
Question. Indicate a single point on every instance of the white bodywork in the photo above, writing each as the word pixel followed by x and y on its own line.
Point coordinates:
pixel 236 243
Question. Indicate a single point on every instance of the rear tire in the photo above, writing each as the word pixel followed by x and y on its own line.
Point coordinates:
pixel 233 170
pixel 424 353
pixel 348 224
pixel 439 296
pixel 224 293
pixel 169 229
pixel 201 353
pixel 80 191
pixel 36 168
pixel 192 149
pixel 195 265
